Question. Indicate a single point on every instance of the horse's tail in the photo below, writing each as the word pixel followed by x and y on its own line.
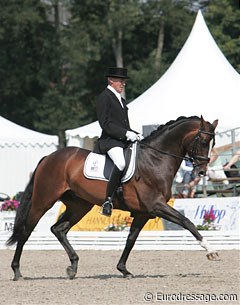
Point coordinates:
pixel 23 211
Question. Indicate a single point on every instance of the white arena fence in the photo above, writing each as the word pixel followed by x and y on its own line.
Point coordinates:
pixel 147 240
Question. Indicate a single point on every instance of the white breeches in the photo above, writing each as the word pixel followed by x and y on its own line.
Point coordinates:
pixel 116 154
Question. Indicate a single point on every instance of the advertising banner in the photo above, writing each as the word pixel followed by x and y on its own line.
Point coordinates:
pixel 226 211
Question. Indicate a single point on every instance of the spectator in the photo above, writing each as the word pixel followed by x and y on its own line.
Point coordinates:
pixel 235 158
pixel 189 179
pixel 215 170
pixel 231 170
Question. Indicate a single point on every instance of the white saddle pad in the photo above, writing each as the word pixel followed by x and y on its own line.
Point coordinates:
pixel 94 166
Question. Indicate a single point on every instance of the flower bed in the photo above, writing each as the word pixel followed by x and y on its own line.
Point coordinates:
pixel 9 205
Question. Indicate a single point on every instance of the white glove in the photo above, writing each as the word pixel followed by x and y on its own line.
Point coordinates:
pixel 140 137
pixel 131 136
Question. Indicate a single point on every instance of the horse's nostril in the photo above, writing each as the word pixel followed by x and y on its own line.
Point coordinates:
pixel 201 173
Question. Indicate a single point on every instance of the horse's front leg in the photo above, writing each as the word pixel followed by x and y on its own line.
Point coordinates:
pixel 138 223
pixel 169 213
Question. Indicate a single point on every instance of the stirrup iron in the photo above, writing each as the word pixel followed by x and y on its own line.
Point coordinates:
pixel 107 207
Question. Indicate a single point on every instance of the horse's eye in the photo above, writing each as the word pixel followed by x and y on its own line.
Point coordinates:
pixel 204 144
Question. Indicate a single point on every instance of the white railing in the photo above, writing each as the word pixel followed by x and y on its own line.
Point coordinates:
pixel 147 240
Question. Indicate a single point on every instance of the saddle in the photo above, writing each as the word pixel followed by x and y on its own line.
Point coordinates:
pixel 99 166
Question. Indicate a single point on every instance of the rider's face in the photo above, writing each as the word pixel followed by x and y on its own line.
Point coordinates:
pixel 118 84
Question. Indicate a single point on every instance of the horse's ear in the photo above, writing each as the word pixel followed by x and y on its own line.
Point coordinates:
pixel 215 124
pixel 202 122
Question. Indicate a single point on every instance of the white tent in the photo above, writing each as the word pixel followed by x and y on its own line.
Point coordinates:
pixel 199 82
pixel 80 136
pixel 20 151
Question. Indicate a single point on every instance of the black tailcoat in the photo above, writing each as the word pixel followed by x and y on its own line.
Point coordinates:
pixel 113 119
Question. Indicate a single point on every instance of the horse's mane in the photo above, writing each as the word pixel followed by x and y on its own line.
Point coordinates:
pixel 172 123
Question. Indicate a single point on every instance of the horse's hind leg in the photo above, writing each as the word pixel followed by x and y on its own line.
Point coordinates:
pixel 16 258
pixel 75 210
pixel 138 223
pixel 33 218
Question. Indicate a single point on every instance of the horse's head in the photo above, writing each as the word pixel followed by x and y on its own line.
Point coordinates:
pixel 200 145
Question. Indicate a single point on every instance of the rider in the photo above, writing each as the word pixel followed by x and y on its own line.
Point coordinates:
pixel 112 114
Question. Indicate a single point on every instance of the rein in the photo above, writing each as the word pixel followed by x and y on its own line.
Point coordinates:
pixel 186 158
pixel 167 153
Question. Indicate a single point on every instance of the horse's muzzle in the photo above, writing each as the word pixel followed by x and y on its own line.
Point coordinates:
pixel 202 173
pixel 200 169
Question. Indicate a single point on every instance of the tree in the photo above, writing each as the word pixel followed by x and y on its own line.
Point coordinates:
pixel 27 58
pixel 38 90
pixel 64 103
pixel 223 18
pixel 122 18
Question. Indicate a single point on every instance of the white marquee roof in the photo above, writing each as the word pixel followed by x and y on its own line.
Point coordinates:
pixel 11 133
pixel 90 130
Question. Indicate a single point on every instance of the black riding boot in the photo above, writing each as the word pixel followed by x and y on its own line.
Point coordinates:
pixel 113 184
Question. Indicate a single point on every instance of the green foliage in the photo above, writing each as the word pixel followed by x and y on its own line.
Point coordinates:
pixel 58 111
pixel 223 18
pixel 27 58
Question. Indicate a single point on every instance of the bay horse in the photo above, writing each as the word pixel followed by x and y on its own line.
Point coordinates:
pixel 59 176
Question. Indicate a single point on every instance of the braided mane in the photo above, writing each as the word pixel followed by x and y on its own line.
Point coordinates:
pixel 172 123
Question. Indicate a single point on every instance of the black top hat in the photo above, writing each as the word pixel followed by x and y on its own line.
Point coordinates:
pixel 117 72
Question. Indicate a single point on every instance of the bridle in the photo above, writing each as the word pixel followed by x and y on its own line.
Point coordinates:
pixel 193 156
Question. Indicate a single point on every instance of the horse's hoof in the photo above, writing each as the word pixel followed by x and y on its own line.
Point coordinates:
pixel 71 274
pixel 128 275
pixel 213 256
pixel 18 278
